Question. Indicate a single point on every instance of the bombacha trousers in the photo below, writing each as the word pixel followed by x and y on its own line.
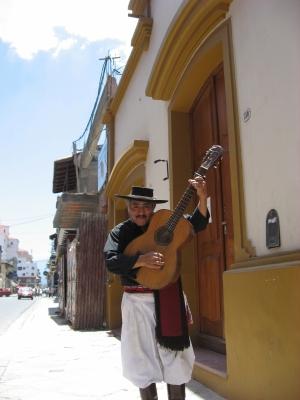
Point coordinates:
pixel 144 361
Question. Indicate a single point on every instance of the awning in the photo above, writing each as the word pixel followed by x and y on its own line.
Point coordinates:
pixel 64 175
pixel 70 206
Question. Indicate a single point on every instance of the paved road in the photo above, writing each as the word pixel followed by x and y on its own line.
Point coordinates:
pixel 11 309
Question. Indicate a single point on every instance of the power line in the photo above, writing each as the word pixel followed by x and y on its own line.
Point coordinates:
pixel 23 219
pixel 30 221
pixel 110 68
pixel 97 99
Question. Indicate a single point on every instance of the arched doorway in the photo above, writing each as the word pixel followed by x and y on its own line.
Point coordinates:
pixel 202 113
pixel 128 171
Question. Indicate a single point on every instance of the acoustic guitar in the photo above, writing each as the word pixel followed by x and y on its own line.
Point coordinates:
pixel 168 231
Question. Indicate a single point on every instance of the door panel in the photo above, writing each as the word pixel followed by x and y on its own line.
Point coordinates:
pixel 215 243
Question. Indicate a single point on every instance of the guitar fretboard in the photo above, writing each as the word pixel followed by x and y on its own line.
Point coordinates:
pixel 183 202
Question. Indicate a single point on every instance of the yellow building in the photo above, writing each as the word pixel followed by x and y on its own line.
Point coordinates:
pixel 221 72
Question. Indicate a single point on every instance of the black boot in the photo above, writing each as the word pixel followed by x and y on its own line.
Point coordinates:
pixel 176 392
pixel 149 393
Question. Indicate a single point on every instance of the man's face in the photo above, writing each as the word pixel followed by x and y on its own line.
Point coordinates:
pixel 140 212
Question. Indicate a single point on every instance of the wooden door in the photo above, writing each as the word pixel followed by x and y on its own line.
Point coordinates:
pixel 215 244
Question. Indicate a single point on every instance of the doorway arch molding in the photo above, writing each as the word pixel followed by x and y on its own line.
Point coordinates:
pixel 128 170
pixel 129 161
pixel 216 49
pixel 194 21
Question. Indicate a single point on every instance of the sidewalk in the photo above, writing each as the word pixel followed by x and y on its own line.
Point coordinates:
pixel 42 358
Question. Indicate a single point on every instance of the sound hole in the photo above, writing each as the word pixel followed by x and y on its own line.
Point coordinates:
pixel 162 236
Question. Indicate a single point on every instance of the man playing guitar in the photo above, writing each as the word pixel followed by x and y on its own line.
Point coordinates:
pixel 155 346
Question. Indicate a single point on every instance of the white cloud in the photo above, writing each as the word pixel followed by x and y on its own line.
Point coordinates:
pixel 64 45
pixel 31 26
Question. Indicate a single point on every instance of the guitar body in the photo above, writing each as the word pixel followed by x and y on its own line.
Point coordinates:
pixel 157 279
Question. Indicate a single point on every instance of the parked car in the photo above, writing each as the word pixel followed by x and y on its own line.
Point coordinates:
pixel 25 292
pixel 5 292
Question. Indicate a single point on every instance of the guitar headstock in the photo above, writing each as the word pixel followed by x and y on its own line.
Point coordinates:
pixel 211 159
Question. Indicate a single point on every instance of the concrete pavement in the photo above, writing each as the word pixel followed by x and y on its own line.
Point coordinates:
pixel 41 357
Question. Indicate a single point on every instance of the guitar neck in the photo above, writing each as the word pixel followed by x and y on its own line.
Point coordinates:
pixel 183 202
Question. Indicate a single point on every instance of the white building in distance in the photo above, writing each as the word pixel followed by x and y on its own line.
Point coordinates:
pixel 27 270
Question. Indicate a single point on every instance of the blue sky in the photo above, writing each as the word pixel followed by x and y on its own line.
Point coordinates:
pixel 49 78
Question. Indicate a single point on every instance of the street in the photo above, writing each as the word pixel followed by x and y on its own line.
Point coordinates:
pixel 10 309
pixel 42 357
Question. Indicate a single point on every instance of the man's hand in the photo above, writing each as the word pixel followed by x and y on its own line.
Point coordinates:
pixel 199 184
pixel 152 260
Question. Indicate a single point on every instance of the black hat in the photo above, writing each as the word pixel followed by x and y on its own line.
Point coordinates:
pixel 141 194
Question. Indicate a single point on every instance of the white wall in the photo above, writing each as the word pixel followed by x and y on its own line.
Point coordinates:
pixel 267 63
pixel 266 37
pixel 140 117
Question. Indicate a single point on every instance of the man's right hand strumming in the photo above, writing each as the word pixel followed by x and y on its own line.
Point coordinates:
pixel 152 260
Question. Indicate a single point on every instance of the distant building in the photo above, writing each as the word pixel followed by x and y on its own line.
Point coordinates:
pixel 4 239
pixel 5 271
pixel 23 270
pixel 8 245
pixel 8 258
pixel 27 270
pixel 12 249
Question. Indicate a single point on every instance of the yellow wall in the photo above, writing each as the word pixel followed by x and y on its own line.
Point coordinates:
pixel 263 332
pixel 262 329
pixel 113 303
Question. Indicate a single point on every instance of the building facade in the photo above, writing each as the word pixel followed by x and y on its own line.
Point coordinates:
pixel 4 241
pixel 226 73
pixel 8 258
pixel 27 271
pixel 12 249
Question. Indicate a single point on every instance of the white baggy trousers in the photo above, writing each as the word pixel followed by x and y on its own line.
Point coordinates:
pixel 144 361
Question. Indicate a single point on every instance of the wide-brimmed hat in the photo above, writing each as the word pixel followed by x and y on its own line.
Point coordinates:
pixel 141 194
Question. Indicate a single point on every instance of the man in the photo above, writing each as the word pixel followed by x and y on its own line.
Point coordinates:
pixel 147 357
